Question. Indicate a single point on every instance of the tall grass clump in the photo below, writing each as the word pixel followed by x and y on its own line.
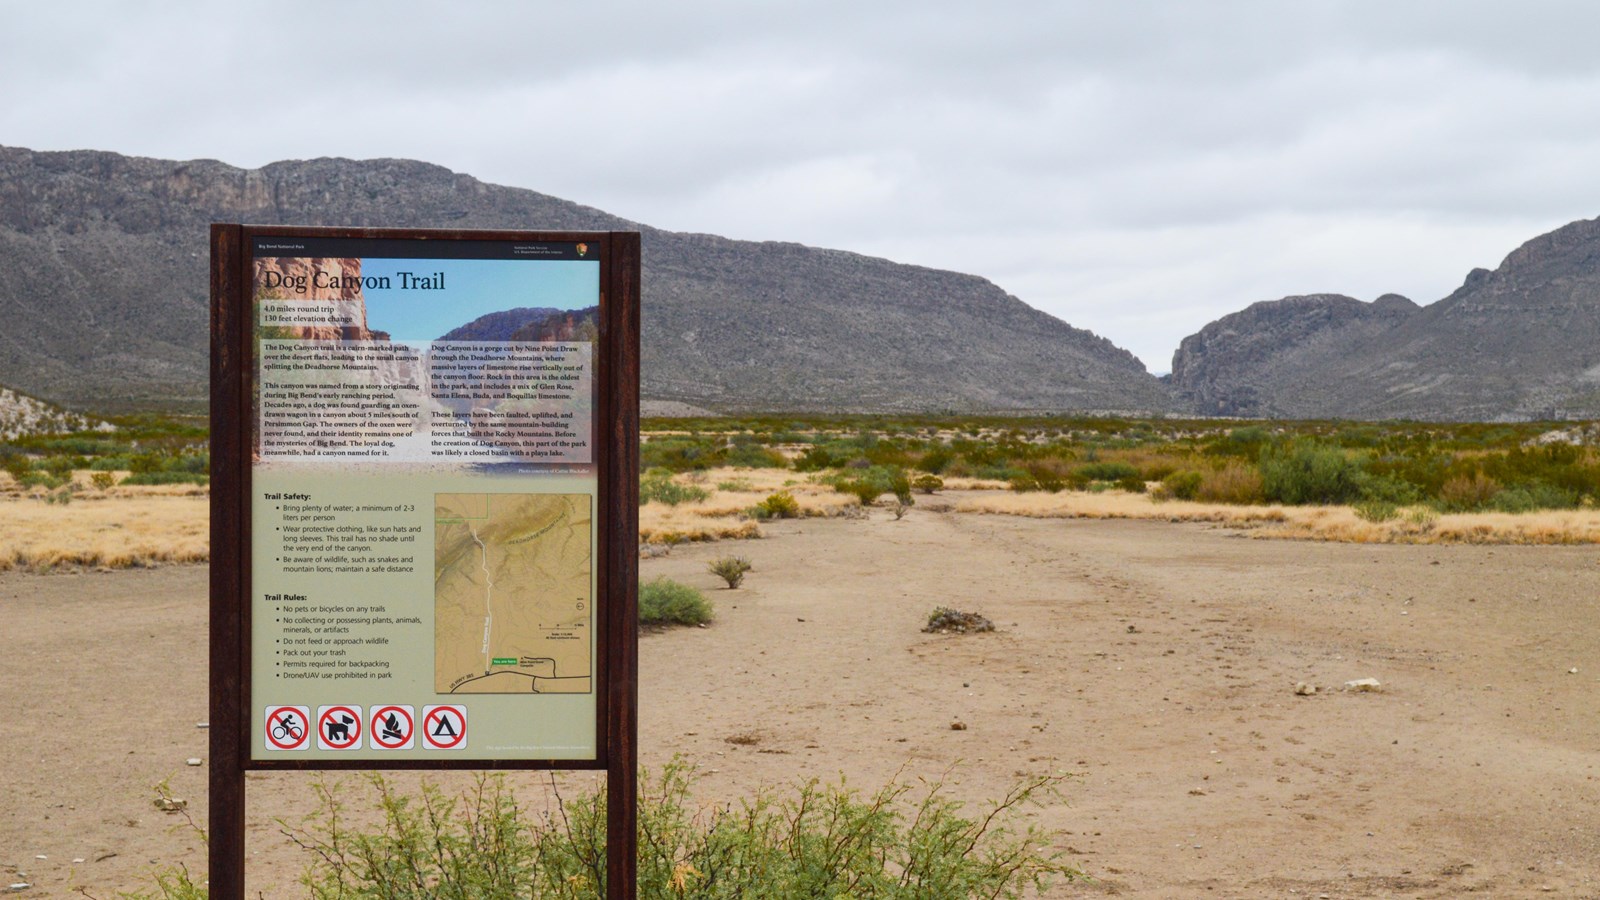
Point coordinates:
pixel 820 840
pixel 667 602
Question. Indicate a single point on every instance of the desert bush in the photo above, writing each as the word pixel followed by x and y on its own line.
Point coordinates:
pixel 1532 497
pixel 17 465
pixel 936 460
pixel 658 486
pixel 1181 485
pixel 1107 471
pixel 815 459
pixel 781 505
pixel 104 481
pixel 873 482
pixel 928 484
pixel 1234 482
pixel 1133 484
pixel 667 602
pixel 730 569
pixel 736 484
pixel 1377 510
pixel 1310 472
pixel 895 843
pixel 1465 494
pixel 161 477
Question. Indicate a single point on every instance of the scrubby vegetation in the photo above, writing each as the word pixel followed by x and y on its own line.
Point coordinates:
pixel 731 569
pixel 1447 467
pixel 667 602
pixel 815 840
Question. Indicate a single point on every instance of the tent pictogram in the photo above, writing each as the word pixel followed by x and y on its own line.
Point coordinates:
pixel 444 727
pixel 288 727
pixel 338 728
pixel 392 728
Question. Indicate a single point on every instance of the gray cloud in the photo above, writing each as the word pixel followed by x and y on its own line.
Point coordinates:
pixel 1137 168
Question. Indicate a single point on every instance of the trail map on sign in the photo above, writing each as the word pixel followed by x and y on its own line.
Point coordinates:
pixel 513 604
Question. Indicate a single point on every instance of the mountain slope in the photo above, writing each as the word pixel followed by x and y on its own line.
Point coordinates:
pixel 1520 342
pixel 103 292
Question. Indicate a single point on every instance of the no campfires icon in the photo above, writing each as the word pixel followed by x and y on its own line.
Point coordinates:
pixel 392 728
pixel 338 728
pixel 288 727
pixel 444 727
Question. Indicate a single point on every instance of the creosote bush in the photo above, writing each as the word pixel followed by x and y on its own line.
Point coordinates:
pixel 667 602
pixel 730 569
pixel 658 486
pixel 900 842
pixel 781 505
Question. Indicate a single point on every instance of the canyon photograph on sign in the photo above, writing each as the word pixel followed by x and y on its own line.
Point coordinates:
pixel 1084 450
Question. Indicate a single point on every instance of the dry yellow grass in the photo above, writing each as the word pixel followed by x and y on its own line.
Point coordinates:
pixel 1322 523
pixel 118 532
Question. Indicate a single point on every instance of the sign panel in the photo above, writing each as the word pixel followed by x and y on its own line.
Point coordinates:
pixel 423 496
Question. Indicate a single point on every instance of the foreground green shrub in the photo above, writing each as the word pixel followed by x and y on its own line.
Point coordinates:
pixel 928 484
pixel 823 841
pixel 667 602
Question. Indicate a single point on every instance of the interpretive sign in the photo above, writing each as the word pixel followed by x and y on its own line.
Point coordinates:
pixel 424 500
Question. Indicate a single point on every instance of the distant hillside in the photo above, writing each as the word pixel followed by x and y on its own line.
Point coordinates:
pixel 103 292
pixel 21 415
pixel 1520 342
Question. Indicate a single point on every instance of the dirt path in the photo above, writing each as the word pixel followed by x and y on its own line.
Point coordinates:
pixel 1157 660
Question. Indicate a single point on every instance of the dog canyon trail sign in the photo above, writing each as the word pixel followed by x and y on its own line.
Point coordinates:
pixel 424 508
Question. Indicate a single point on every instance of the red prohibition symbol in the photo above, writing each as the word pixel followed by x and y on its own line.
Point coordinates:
pixel 392 727
pixel 444 727
pixel 339 728
pixel 288 728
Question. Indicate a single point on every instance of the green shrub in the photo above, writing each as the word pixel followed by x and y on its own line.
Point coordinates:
pixel 1532 497
pixel 872 482
pixel 736 484
pixel 104 481
pixel 17 465
pixel 658 486
pixel 815 459
pixel 1133 484
pixel 667 602
pixel 148 478
pixel 781 505
pixel 111 464
pixel 730 569
pixel 928 484
pixel 1184 485
pixel 1107 471
pixel 1310 472
pixel 820 840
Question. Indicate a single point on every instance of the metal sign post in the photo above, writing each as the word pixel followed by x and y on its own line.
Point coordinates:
pixel 424 510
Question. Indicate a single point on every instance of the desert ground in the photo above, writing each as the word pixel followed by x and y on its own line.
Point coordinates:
pixel 1155 661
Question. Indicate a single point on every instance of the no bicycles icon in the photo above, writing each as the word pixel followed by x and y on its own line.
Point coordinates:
pixel 288 727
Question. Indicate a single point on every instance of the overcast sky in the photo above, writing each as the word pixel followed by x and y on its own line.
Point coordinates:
pixel 1137 169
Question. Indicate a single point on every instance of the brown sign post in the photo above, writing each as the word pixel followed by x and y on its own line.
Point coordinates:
pixel 424 510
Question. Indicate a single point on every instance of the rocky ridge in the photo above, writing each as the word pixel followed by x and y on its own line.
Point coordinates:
pixel 103 284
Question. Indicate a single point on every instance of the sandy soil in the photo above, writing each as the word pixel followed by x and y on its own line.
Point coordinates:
pixel 1158 660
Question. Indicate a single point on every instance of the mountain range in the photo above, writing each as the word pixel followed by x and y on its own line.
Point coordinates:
pixel 103 293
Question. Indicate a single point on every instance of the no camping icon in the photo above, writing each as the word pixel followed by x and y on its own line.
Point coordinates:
pixel 392 728
pixel 338 728
pixel 287 728
pixel 444 727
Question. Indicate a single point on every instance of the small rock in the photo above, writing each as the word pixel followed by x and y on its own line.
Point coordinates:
pixel 79 859
pixel 171 804
pixel 192 761
pixel 21 886
pixel 1305 690
pixel 1572 671
pixel 1364 684
pixel 958 726
pixel 202 724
